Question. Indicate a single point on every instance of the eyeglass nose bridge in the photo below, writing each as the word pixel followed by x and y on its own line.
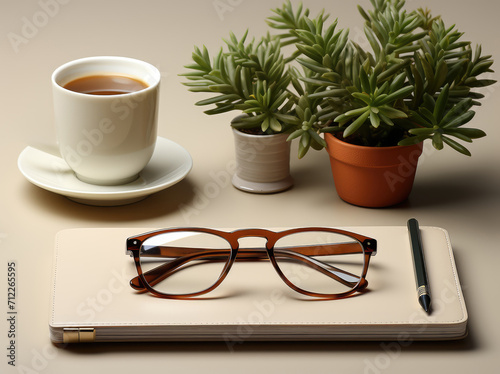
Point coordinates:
pixel 268 235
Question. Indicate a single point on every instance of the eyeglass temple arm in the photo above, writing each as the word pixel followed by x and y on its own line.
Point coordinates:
pixel 339 275
pixel 316 250
pixel 162 272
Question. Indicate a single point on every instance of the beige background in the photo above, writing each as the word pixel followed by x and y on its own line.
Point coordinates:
pixel 451 191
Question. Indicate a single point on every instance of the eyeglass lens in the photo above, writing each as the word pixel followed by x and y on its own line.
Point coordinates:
pixel 320 261
pixel 181 263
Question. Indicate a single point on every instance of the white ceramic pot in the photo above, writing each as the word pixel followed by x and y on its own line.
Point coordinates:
pixel 262 163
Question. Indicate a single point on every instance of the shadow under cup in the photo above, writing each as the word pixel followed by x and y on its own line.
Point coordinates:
pixel 106 139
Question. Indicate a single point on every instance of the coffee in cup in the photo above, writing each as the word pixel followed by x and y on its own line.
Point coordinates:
pixel 106 85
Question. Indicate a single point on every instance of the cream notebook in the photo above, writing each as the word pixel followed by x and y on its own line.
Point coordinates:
pixel 91 300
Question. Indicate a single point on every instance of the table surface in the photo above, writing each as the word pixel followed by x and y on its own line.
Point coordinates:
pixel 452 191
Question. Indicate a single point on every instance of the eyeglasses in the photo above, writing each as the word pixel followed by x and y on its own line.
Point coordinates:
pixel 181 263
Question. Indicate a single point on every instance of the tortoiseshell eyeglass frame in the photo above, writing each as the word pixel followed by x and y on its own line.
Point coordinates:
pixel 145 280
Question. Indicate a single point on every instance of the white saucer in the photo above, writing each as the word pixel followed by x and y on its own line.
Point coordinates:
pixel 169 165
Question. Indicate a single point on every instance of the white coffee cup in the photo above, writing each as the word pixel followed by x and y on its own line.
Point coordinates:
pixel 106 139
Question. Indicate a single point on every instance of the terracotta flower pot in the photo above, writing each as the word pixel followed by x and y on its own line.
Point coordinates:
pixel 373 177
pixel 262 163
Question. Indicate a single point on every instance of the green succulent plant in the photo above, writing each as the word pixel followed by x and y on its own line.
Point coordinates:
pixel 248 76
pixel 417 82
pixel 306 118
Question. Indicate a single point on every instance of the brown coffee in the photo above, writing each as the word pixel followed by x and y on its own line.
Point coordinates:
pixel 106 85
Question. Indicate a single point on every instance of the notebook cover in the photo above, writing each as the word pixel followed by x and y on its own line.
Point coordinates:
pixel 91 299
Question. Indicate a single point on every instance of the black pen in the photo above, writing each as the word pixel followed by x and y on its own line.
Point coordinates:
pixel 424 297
